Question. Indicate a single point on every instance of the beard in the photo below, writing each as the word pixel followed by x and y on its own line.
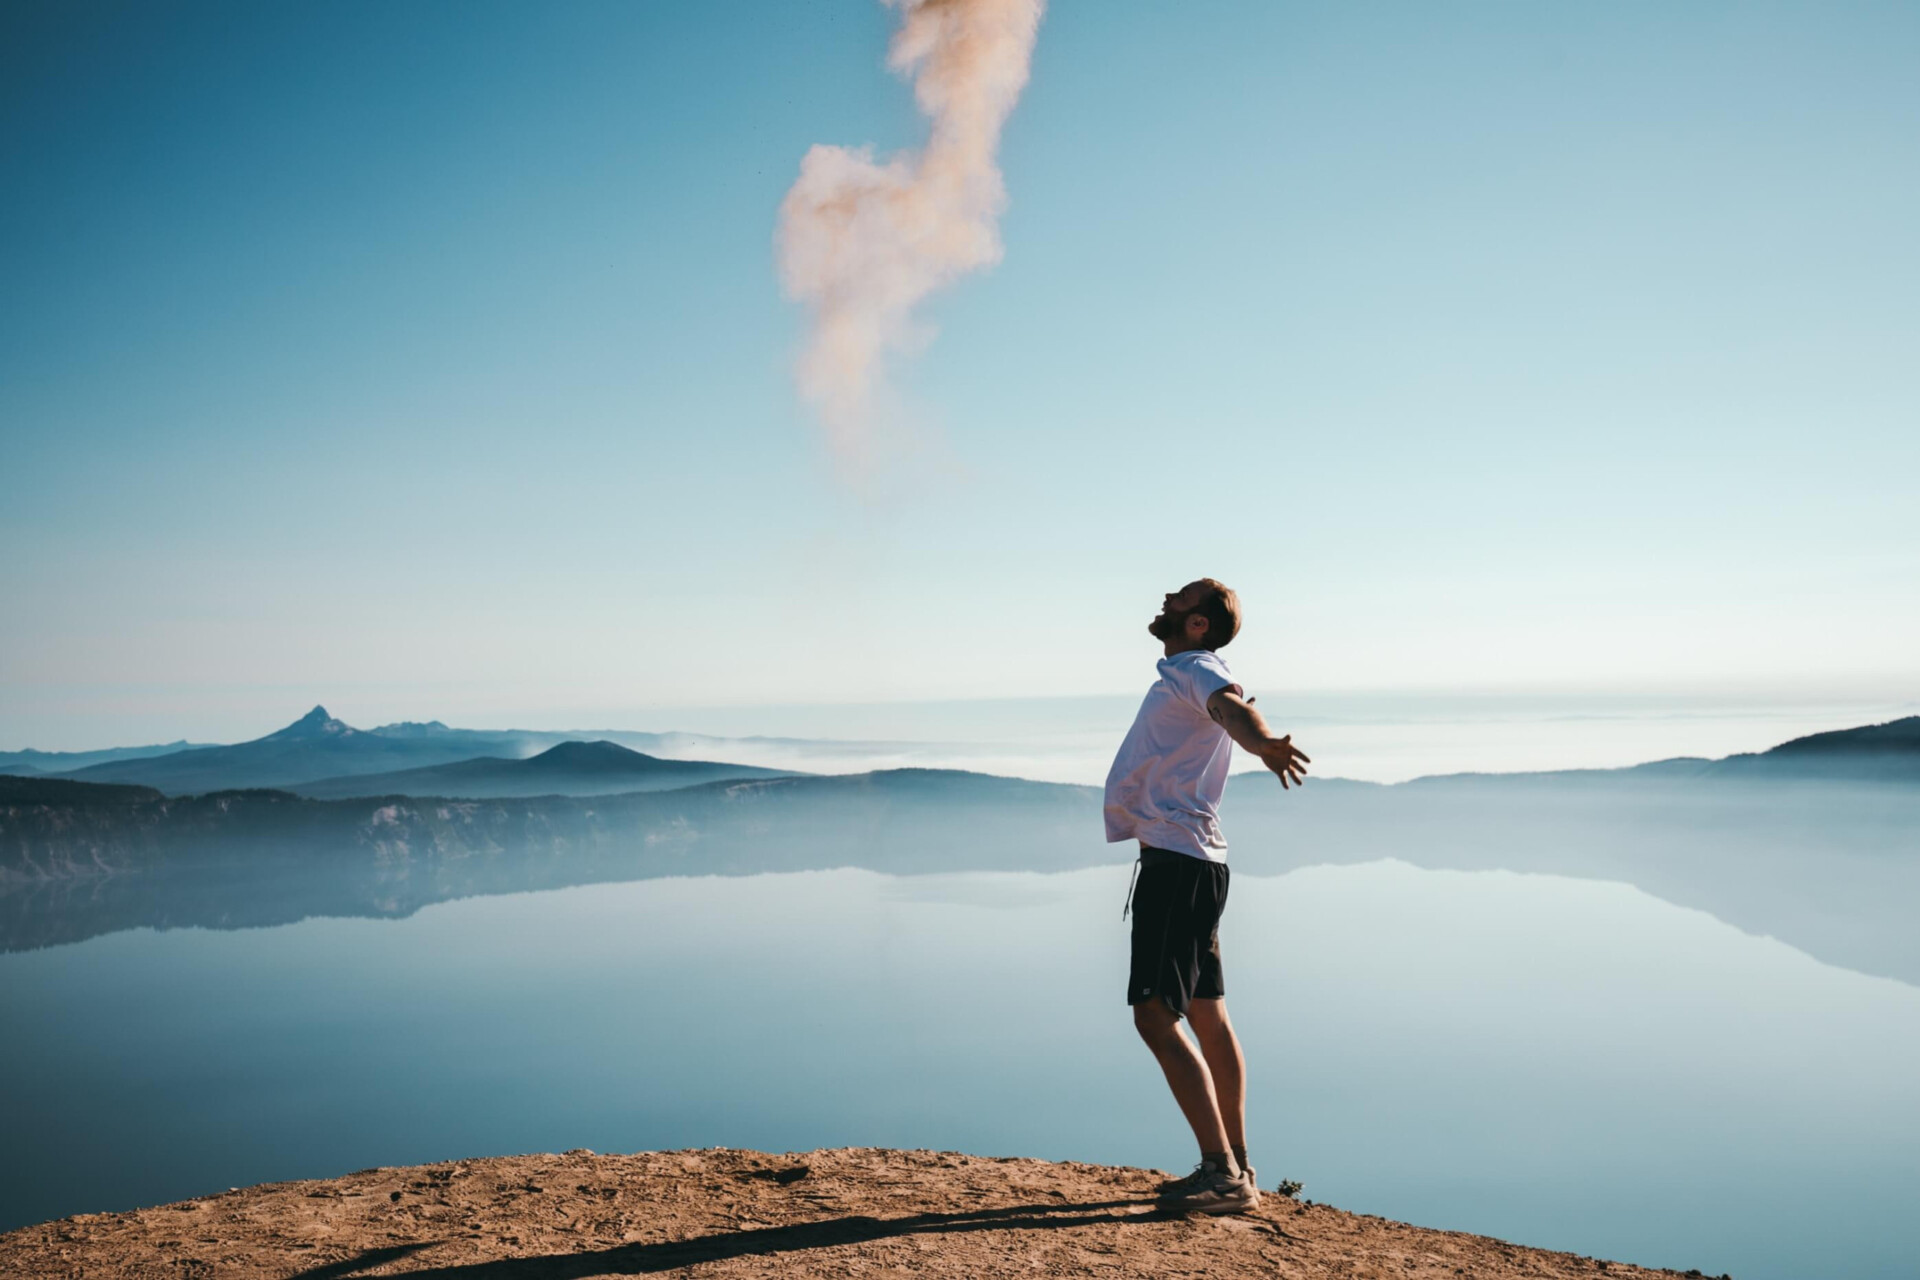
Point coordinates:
pixel 1167 625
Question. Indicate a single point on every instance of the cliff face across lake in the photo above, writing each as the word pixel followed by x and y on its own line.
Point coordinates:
pixel 78 860
pixel 743 1213
pixel 1828 864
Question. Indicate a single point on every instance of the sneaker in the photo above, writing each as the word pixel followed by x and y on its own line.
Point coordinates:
pixel 1209 1190
pixel 1175 1188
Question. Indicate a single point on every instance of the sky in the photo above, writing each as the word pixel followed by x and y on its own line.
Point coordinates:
pixel 430 360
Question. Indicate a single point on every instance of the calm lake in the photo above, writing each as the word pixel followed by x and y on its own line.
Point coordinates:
pixel 1567 1063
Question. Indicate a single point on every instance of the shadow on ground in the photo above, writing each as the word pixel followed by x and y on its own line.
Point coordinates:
pixel 642 1259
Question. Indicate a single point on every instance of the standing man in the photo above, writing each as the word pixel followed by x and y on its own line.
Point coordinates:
pixel 1164 790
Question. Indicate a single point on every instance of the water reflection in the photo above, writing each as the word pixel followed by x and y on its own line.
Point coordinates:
pixel 1561 1062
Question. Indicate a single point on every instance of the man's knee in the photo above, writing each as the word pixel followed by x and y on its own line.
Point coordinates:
pixel 1210 1026
pixel 1154 1020
pixel 1208 1014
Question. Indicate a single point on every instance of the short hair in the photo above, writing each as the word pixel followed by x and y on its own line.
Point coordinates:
pixel 1221 608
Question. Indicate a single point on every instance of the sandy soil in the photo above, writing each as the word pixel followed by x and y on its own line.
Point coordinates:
pixel 856 1212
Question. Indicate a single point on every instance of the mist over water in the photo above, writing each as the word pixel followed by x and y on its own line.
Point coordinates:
pixel 1368 736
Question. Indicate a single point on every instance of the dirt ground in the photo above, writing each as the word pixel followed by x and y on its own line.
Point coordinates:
pixel 853 1212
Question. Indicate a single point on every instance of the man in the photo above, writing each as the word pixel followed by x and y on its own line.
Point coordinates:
pixel 1164 790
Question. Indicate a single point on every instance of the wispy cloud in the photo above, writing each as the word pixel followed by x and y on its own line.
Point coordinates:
pixel 862 241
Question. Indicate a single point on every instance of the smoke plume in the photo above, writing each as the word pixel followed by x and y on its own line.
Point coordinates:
pixel 862 241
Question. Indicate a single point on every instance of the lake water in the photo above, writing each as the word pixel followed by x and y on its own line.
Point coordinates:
pixel 1558 1062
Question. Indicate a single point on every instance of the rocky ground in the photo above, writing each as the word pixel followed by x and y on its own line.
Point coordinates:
pixel 856 1212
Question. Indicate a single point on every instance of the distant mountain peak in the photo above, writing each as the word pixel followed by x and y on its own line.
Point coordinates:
pixel 315 724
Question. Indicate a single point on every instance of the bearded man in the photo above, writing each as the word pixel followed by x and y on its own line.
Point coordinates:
pixel 1164 791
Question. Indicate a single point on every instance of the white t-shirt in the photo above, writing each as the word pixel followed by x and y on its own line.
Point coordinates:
pixel 1165 785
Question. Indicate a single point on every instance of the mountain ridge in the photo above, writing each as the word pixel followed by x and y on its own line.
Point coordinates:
pixel 1819 864
pixel 568 768
pixel 317 751
pixel 66 761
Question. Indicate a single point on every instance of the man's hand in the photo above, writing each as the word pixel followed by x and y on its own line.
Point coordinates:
pixel 1235 713
pixel 1281 756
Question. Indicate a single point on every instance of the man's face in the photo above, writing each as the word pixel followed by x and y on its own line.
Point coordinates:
pixel 1177 606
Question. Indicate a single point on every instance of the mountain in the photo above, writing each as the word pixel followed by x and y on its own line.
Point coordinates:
pixel 31 761
pixel 1874 753
pixel 1829 867
pixel 77 859
pixel 1895 737
pixel 1887 752
pixel 570 769
pixel 414 729
pixel 1829 864
pixel 314 746
pixel 318 748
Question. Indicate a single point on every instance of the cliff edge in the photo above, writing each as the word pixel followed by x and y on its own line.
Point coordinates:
pixel 859 1211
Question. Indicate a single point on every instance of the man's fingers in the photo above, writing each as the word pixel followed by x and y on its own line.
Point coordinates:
pixel 1287 763
pixel 1304 756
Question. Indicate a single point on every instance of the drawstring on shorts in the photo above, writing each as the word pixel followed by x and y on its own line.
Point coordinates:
pixel 1131 881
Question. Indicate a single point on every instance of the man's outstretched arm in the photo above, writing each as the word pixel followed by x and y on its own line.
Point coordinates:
pixel 1248 727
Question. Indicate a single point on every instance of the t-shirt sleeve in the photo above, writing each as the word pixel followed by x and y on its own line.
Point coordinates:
pixel 1206 675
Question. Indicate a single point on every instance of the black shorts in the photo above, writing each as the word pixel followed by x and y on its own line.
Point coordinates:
pixel 1177 902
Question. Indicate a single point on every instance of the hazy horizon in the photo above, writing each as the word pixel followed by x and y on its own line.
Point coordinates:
pixel 1374 736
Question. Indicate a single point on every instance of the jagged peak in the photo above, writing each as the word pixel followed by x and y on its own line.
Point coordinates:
pixel 315 724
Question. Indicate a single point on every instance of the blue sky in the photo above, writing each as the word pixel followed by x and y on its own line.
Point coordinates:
pixel 429 360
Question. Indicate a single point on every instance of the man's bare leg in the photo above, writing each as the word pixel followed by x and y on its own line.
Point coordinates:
pixel 1188 1077
pixel 1225 1064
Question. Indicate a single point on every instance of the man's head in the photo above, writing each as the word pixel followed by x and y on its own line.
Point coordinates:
pixel 1201 615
